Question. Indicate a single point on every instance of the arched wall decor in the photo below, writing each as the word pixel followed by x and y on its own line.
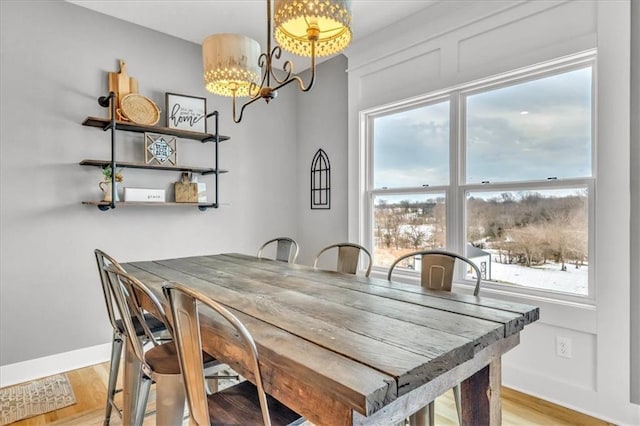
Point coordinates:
pixel 320 181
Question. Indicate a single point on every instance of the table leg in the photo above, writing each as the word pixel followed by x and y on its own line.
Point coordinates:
pixel 131 386
pixel 480 396
pixel 424 416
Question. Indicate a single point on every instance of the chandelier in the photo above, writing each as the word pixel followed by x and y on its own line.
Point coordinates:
pixel 235 67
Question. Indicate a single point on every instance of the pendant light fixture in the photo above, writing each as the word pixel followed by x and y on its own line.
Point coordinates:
pixel 234 66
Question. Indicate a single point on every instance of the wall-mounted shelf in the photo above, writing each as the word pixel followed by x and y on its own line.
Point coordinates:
pixel 128 165
pixel 105 205
pixel 105 124
pixel 114 125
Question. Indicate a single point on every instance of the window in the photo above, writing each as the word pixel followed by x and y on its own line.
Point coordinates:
pixel 411 147
pixel 409 222
pixel 533 130
pixel 536 238
pixel 501 171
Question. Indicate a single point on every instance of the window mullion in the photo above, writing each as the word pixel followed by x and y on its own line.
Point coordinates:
pixel 454 200
pixel 367 238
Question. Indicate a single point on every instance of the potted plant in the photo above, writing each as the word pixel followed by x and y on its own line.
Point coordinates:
pixel 105 185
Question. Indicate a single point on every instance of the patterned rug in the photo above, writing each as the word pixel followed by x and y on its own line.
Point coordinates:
pixel 33 398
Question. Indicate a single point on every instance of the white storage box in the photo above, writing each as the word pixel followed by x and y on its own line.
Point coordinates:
pixel 145 195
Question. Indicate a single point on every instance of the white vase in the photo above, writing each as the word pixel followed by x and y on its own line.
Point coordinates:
pixel 106 190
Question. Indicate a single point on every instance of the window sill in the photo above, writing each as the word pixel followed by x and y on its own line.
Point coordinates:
pixel 559 311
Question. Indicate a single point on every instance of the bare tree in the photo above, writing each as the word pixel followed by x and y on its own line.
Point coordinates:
pixel 528 242
pixel 416 236
pixel 567 231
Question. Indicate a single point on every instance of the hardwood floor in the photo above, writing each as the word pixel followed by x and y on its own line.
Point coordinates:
pixel 90 383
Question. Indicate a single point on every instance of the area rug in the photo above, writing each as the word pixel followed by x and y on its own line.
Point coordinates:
pixel 34 398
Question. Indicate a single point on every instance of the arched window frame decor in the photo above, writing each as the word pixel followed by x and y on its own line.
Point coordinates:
pixel 320 181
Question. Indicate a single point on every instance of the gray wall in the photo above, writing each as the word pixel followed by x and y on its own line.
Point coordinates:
pixel 322 123
pixel 55 59
pixel 635 202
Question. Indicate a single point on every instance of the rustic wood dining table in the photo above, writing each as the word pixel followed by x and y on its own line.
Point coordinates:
pixel 341 349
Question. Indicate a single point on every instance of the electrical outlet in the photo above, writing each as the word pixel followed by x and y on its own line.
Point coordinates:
pixel 563 347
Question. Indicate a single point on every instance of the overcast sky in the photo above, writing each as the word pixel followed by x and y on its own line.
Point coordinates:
pixel 529 131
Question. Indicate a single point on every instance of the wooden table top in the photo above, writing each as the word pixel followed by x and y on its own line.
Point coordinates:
pixel 331 342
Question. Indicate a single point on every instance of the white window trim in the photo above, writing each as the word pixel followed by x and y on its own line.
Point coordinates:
pixel 455 191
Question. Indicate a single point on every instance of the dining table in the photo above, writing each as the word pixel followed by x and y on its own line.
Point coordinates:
pixel 343 349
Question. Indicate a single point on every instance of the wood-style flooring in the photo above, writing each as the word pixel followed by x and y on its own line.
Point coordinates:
pixel 90 383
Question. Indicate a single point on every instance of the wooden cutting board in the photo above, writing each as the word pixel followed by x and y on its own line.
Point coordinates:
pixel 121 84
pixel 185 190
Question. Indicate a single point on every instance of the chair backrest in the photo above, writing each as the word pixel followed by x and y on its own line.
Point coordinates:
pixel 128 291
pixel 348 255
pixel 437 268
pixel 286 249
pixel 104 260
pixel 184 312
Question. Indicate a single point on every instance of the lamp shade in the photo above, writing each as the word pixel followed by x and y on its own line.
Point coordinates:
pixel 230 64
pixel 298 21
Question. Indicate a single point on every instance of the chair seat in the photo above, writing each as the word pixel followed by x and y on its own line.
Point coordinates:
pixel 239 406
pixel 154 324
pixel 163 359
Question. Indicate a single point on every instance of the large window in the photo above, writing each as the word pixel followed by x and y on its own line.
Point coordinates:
pixel 501 171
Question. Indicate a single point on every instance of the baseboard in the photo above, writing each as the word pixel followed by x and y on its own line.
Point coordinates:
pixel 582 399
pixel 59 363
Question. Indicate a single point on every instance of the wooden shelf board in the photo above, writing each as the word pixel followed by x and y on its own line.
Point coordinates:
pixel 104 123
pixel 125 164
pixel 142 203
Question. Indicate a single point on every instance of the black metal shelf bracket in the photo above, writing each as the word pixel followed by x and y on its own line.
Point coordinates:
pixel 215 139
pixel 205 207
pixel 109 101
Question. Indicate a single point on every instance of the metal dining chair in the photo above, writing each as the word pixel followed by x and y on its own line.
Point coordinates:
pixel 158 364
pixel 286 249
pixel 437 269
pixel 149 327
pixel 241 404
pixel 348 255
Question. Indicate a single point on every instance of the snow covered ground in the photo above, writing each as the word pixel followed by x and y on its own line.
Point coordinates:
pixel 548 277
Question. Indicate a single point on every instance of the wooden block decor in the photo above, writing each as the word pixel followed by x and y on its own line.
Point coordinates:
pixel 160 149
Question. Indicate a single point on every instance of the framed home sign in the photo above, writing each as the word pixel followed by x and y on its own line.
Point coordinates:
pixel 186 112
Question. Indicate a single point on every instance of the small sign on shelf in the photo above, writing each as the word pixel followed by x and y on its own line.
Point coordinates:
pixel 145 195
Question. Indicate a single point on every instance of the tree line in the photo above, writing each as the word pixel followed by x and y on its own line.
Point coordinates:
pixel 523 228
pixel 410 224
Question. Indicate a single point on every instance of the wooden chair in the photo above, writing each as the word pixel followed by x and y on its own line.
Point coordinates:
pixel 160 363
pixel 437 268
pixel 149 327
pixel 241 404
pixel 348 255
pixel 286 249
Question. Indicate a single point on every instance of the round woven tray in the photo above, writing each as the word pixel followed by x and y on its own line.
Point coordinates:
pixel 139 109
